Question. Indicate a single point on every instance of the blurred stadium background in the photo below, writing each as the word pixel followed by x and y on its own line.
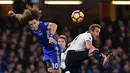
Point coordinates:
pixel 20 52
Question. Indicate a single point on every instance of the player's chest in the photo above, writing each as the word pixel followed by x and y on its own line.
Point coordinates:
pixel 38 33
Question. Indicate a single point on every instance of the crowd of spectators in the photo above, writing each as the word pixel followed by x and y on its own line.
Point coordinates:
pixel 21 52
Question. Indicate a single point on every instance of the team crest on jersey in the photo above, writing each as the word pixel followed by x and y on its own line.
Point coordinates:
pixel 39 32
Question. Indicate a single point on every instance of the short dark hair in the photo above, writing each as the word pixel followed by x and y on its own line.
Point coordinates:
pixel 63 37
pixel 93 26
pixel 31 13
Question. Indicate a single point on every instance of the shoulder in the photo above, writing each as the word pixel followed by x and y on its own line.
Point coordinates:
pixel 41 23
pixel 87 36
pixel 50 23
pixel 46 23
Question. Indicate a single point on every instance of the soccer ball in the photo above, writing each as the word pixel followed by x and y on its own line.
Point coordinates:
pixel 77 16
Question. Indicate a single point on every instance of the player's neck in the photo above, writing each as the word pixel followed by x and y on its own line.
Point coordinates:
pixel 38 23
pixel 63 49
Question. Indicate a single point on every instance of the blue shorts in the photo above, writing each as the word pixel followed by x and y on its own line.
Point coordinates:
pixel 55 58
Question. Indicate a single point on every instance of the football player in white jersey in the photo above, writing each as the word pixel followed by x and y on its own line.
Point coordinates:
pixel 62 41
pixel 81 48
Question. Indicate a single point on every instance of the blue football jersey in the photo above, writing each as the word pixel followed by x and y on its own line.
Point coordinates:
pixel 42 34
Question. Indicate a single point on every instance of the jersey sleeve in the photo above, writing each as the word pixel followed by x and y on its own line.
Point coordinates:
pixel 88 37
pixel 45 25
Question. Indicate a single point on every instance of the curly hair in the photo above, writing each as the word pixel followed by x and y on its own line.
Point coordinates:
pixel 31 13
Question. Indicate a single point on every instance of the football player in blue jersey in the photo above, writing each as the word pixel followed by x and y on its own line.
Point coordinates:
pixel 44 32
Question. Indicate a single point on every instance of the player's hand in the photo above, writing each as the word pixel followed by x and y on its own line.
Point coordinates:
pixel 49 70
pixel 11 13
pixel 51 40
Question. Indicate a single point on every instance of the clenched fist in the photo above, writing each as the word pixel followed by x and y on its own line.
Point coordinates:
pixel 51 40
pixel 11 13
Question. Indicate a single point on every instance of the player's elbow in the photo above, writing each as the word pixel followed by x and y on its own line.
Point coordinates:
pixel 89 45
pixel 52 26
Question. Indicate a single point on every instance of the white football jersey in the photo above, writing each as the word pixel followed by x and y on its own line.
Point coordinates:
pixel 63 56
pixel 79 43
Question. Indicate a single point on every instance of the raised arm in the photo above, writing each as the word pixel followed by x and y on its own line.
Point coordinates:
pixel 17 16
pixel 52 27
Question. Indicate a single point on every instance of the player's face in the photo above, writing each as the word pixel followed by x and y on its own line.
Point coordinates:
pixel 34 24
pixel 62 43
pixel 95 33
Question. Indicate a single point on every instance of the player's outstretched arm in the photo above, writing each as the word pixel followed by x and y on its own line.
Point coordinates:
pixel 52 27
pixel 17 16
pixel 89 45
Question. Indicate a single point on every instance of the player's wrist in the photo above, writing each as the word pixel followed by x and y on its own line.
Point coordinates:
pixel 51 35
